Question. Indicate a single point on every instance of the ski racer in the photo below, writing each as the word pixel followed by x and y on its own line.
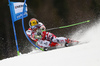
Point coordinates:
pixel 47 39
pixel 34 24
pixel 37 32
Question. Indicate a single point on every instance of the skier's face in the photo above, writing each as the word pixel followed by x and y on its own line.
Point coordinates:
pixel 34 29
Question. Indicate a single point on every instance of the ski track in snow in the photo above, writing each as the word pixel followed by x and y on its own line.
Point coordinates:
pixel 85 54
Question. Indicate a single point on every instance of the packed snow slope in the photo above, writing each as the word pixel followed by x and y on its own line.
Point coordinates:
pixel 87 54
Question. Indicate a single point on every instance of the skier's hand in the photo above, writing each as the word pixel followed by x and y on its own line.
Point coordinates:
pixel 38 37
pixel 43 28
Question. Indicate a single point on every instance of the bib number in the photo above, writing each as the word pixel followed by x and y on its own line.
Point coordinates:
pixel 43 43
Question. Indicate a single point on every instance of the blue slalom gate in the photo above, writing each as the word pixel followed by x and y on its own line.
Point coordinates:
pixel 19 11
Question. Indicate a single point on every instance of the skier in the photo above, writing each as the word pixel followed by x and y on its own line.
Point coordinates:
pixel 34 24
pixel 37 32
pixel 47 39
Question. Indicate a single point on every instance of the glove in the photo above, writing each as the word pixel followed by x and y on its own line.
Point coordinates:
pixel 37 37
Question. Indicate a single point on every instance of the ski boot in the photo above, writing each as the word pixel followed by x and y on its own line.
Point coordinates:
pixel 45 49
pixel 66 44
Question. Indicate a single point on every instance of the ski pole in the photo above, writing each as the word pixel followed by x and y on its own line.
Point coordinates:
pixel 68 25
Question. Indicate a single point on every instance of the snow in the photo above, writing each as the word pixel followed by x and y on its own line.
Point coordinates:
pixel 87 54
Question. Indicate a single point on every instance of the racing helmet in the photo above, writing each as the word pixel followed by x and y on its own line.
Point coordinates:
pixel 33 22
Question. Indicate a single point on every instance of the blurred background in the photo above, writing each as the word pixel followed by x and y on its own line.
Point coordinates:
pixel 52 13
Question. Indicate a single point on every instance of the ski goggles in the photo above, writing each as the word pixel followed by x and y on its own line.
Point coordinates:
pixel 36 26
pixel 33 27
